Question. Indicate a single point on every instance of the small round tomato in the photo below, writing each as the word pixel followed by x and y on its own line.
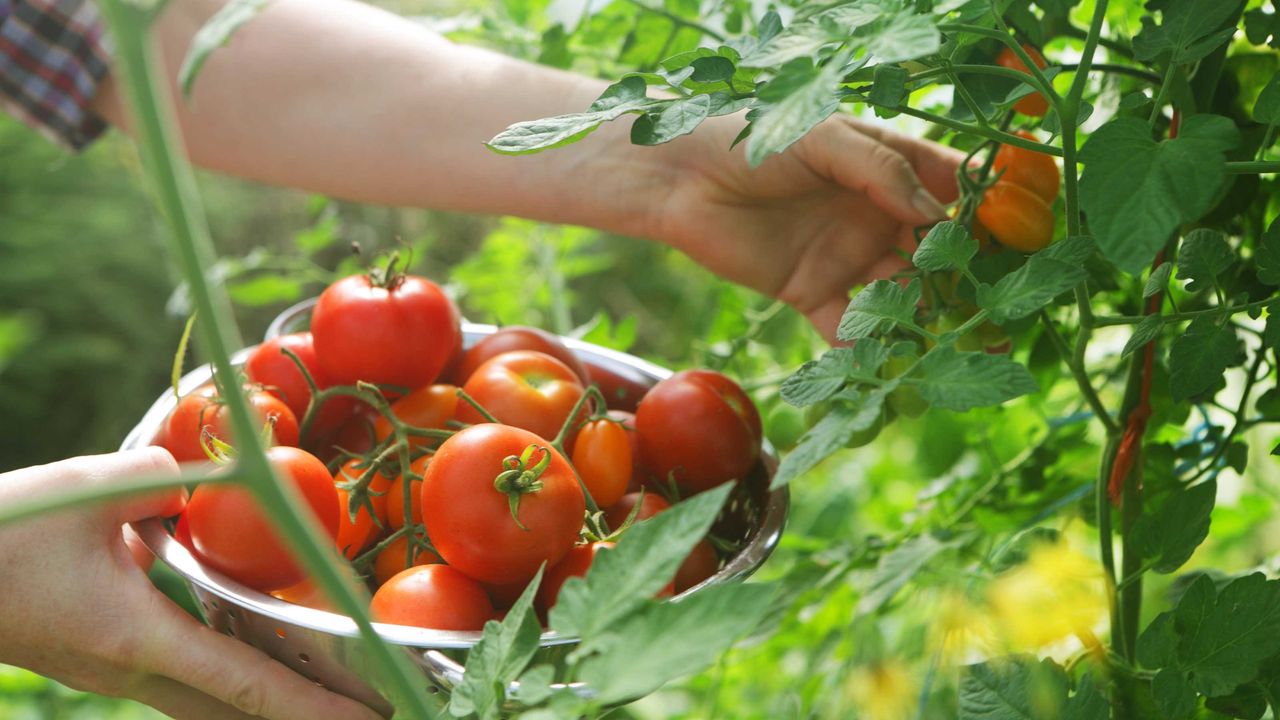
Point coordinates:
pixel 602 456
pixel 651 505
pixel 701 564
pixel 276 372
pixel 905 400
pixel 525 389
pixel 233 534
pixel 203 410
pixel 306 594
pixel 622 387
pixel 394 559
pixel 399 333
pixel 699 428
pixel 1034 171
pixel 433 596
pixel 429 407
pixel 516 337
pixel 1035 104
pixel 785 425
pixel 478 480
pixel 1017 217
pixel 575 564
pixel 396 495
pixel 355 534
pixel 628 421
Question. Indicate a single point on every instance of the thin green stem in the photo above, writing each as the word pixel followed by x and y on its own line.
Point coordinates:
pixel 1158 102
pixel 1043 84
pixel 1079 373
pixel 119 489
pixel 679 21
pixel 1253 168
pixel 967 98
pixel 1108 320
pixel 1114 69
pixel 1267 139
pixel 1114 46
pixel 1001 137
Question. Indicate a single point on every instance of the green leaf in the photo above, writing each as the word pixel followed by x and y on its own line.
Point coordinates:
pixel 878 308
pixel 1262 27
pixel 535 685
pixel 1173 695
pixel 1267 255
pixel 1198 357
pixel 856 14
pixel 1168 533
pixel 902 36
pixel 676 118
pixel 714 68
pixel 1158 644
pixel 1158 281
pixel 1188 30
pixel 962 381
pixel 1035 284
pixel 1271 333
pixel 1144 332
pixel 1088 702
pixel 1266 109
pixel 1016 688
pixel 671 639
pixel 645 560
pixel 265 290
pixel 214 34
pixel 830 434
pixel 819 379
pixel 800 97
pixel 1137 191
pixel 1222 640
pixel 503 652
pixel 948 246
pixel 889 88
pixel 802 40
pixel 1204 256
pixel 625 96
pixel 897 567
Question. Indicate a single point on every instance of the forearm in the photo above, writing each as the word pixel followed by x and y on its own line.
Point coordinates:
pixel 340 98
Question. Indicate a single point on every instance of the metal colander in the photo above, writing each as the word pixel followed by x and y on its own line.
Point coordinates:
pixel 326 648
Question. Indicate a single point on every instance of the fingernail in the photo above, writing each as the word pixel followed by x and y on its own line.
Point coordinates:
pixel 928 205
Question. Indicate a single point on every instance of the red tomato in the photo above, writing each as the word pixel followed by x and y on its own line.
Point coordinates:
pixel 652 505
pixel 429 407
pixel 701 564
pixel 1034 171
pixel 395 496
pixel 602 456
pixel 622 388
pixel 699 427
pixel 524 388
pixel 201 410
pixel 231 532
pixel 1034 105
pixel 182 532
pixel 434 596
pixel 269 367
pixel 399 335
pixel 394 559
pixel 516 337
pixel 1017 217
pixel 355 535
pixel 469 519
pixel 356 435
pixel 575 564
pixel 306 594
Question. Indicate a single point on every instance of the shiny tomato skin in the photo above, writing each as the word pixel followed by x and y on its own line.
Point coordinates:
pixel 699 427
pixel 201 409
pixel 432 596
pixel 1034 105
pixel 182 532
pixel 391 561
pixel 354 536
pixel 1034 171
pixel 356 435
pixel 523 388
pixel 232 534
pixel 402 335
pixel 306 594
pixel 602 456
pixel 622 388
pixel 469 521
pixel 651 505
pixel 701 563
pixel 516 337
pixel 430 407
pixel 395 496
pixel 1017 217
pixel 638 474
pixel 574 564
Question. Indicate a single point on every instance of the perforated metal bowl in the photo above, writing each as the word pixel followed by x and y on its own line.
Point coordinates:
pixel 325 647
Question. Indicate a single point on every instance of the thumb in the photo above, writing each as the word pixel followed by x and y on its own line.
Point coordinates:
pixel 101 470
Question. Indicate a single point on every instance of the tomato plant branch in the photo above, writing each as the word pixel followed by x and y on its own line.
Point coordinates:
pixel 1182 316
pixel 677 20
pixel 1012 43
pixel 117 489
pixel 1003 138
pixel 1158 101
pixel 1079 373
pixel 1240 423
pixel 1252 168
pixel 1114 69
pixel 466 397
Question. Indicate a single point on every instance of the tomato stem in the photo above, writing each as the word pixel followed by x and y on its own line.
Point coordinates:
pixel 519 477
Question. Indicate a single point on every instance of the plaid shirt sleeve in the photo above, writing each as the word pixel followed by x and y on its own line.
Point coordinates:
pixel 52 57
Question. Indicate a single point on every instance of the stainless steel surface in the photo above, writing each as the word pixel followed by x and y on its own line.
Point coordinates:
pixel 324 646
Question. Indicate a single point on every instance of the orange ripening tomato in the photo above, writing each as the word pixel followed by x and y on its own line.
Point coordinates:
pixel 1034 171
pixel 430 407
pixel 356 535
pixel 602 457
pixel 1034 105
pixel 1017 217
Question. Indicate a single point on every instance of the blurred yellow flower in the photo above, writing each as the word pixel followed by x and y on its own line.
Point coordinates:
pixel 959 629
pixel 882 691
pixel 1055 594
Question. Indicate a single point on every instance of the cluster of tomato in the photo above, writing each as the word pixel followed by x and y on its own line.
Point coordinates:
pixel 453 475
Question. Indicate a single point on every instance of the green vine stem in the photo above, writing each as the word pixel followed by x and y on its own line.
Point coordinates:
pixel 175 191
pixel 103 492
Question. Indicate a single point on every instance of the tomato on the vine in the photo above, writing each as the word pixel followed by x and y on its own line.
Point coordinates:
pixel 393 559
pixel 498 502
pixel 400 333
pixel 518 337
pixel 356 535
pixel 906 399
pixel 202 410
pixel 699 428
pixel 430 407
pixel 651 505
pixel 523 388
pixel 432 596
pixel 785 425
pixel 1035 104
pixel 396 495
pixel 1017 217
pixel 276 372
pixel 602 457
pixel 232 533
pixel 1034 171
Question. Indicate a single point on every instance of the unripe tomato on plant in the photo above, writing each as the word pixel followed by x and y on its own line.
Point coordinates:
pixel 517 337
pixel 432 596
pixel 399 332
pixel 499 501
pixel 202 410
pixel 602 457
pixel 785 425
pixel 1035 104
pixel 949 321
pixel 699 428
pixel 905 400
pixel 1017 217
pixel 814 413
pixel 429 407
pixel 1034 171
pixel 525 389
pixel 231 532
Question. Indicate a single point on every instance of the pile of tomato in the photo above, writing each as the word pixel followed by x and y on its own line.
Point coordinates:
pixel 448 476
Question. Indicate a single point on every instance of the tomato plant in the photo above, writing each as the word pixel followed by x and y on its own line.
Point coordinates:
pixel 1034 105
pixel 1016 217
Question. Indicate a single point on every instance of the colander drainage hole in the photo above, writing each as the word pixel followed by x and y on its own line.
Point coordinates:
pixel 231 631
pixel 280 633
pixel 304 657
pixel 214 603
pixel 231 613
